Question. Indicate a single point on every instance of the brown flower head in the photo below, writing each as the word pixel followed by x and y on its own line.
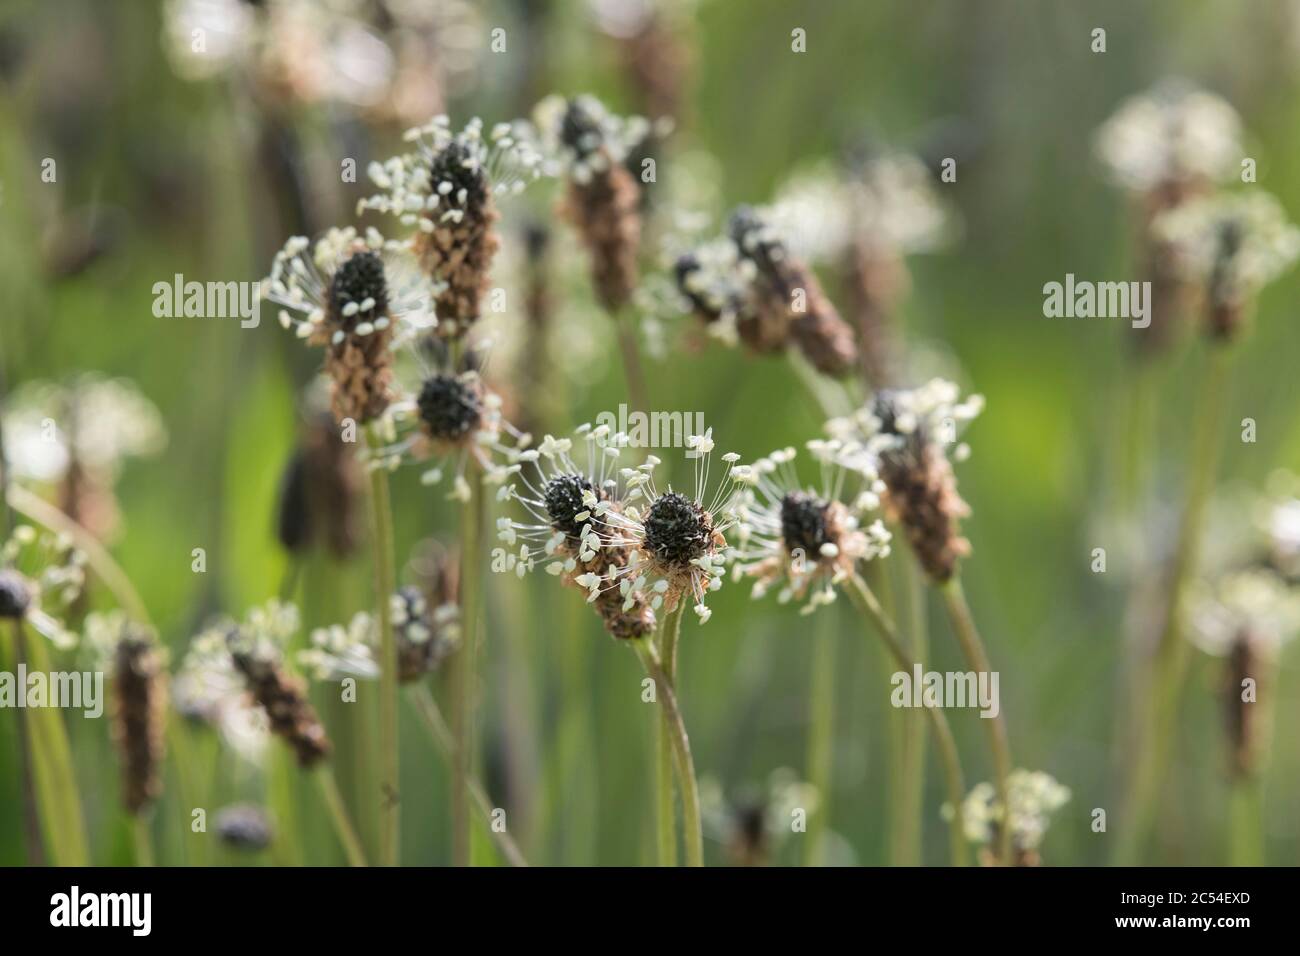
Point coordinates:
pixel 446 188
pixel 255 652
pixel 359 298
pixel 903 436
pixel 562 495
pixel 139 719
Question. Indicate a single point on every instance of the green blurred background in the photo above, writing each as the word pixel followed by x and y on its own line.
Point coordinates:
pixel 168 171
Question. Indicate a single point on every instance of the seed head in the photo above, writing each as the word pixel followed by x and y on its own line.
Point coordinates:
pixel 677 530
pixel 563 498
pixel 244 826
pixel 451 407
pixel 15 595
pixel 140 717
pixel 803 523
pixel 284 699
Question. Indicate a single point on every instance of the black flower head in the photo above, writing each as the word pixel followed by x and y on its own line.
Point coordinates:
pixel 244 826
pixel 564 503
pixel 455 164
pixel 580 128
pixel 803 523
pixel 677 530
pixel 756 242
pixel 886 406
pixel 15 596
pixel 450 407
pixel 358 279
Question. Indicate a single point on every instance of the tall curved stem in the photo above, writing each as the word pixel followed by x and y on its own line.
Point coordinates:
pixel 866 602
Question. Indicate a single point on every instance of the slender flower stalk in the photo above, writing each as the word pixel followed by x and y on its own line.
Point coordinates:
pixel 465 668
pixel 347 834
pixel 692 830
pixel 381 518
pixel 666 812
pixel 441 735
pixel 821 737
pixel 903 434
pixel 1232 246
pixel 973 649
pixel 869 605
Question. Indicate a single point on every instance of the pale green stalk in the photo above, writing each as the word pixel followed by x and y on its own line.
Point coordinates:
pixel 464 667
pixel 866 602
pixel 1154 739
pixel 913 770
pixel 666 811
pixel 963 625
pixel 343 827
pixel 821 735
pixel 441 735
pixel 692 831
pixel 381 527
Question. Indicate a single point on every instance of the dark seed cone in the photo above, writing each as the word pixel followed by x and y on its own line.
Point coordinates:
pixel 606 212
pixel 788 302
pixel 877 281
pixel 15 595
pixel 450 407
pixel 421 646
pixel 922 496
pixel 359 366
pixel 1245 720
pixel 332 486
pixel 284 699
pixel 748 845
pixel 293 518
pixel 244 826
pixel 684 269
pixel 459 255
pixel 140 715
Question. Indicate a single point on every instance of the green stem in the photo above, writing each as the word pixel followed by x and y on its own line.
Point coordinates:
pixel 665 803
pixel 381 516
pixel 630 353
pixel 1246 824
pixel 143 837
pixel 914 737
pixel 440 734
pixel 972 647
pixel 465 669
pixel 866 602
pixel 895 731
pixel 691 827
pixel 1154 741
pixel 821 736
pixel 347 833
pixel 54 776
